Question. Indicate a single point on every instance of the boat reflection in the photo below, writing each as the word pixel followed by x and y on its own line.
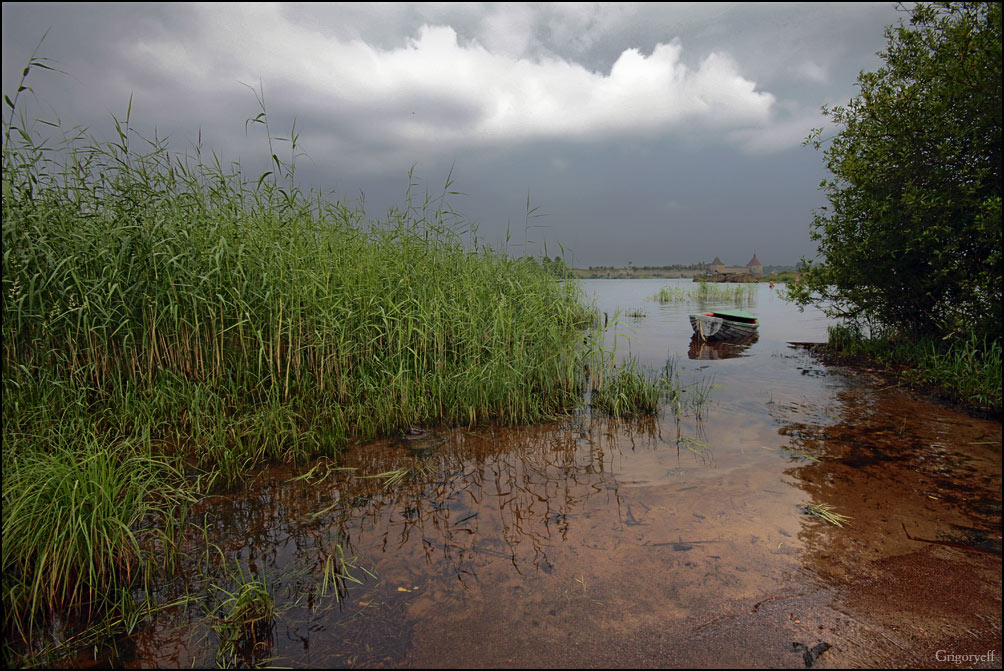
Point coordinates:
pixel 704 349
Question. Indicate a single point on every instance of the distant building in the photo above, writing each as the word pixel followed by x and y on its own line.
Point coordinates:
pixel 719 272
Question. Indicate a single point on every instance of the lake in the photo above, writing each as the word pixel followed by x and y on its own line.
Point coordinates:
pixel 683 541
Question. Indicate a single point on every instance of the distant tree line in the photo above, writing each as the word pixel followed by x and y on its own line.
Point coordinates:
pixel 688 266
pixel 675 266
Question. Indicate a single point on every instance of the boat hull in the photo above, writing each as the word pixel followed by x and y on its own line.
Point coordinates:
pixel 710 327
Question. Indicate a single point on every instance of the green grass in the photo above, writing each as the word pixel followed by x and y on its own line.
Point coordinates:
pixel 709 292
pixel 699 395
pixel 825 512
pixel 241 320
pixel 963 369
pixel 740 294
pixel 167 313
pixel 244 620
pixel 82 522
pixel 631 390
pixel 670 294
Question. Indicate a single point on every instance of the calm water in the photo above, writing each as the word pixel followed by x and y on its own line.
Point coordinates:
pixel 665 332
pixel 676 542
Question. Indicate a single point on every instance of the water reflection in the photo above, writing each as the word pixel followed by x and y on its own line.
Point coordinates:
pixel 417 519
pixel 704 349
pixel 498 493
pixel 552 545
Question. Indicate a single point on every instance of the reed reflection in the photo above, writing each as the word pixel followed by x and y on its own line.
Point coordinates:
pixel 337 541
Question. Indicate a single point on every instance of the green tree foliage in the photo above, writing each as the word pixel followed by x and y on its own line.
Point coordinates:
pixel 911 238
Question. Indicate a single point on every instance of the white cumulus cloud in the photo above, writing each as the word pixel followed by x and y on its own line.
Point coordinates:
pixel 435 88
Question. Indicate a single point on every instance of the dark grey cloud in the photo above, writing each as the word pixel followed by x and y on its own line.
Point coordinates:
pixel 686 148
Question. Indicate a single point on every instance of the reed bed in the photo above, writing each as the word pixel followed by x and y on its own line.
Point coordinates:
pixel 163 314
pixel 631 390
pixel 218 312
pixel 707 292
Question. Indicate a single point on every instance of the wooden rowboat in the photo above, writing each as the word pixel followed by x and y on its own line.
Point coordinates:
pixel 724 325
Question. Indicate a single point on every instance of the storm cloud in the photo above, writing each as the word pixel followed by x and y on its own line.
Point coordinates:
pixel 649 133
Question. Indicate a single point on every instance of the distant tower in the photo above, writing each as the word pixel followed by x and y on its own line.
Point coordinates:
pixel 717 266
pixel 755 266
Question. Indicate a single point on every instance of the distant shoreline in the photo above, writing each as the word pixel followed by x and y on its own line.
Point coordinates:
pixel 662 273
pixel 633 273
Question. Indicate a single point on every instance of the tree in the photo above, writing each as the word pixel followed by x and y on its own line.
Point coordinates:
pixel 911 238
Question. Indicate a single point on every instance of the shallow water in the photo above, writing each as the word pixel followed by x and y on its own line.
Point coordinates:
pixel 678 542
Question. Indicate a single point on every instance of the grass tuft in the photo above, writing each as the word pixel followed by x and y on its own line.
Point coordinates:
pixel 244 621
pixel 81 524
pixel 631 390
pixel 825 512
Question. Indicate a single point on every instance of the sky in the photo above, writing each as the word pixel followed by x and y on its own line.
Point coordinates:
pixel 610 134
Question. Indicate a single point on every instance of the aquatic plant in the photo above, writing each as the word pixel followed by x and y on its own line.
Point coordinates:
pixel 700 394
pixel 391 478
pixel 82 522
pixel 825 512
pixel 670 294
pixel 740 294
pixel 244 620
pixel 166 313
pixel 700 448
pixel 338 573
pixel 631 390
pixel 708 292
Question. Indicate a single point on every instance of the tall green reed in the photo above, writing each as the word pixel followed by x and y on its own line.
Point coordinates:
pixel 128 268
pixel 166 312
pixel 708 292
